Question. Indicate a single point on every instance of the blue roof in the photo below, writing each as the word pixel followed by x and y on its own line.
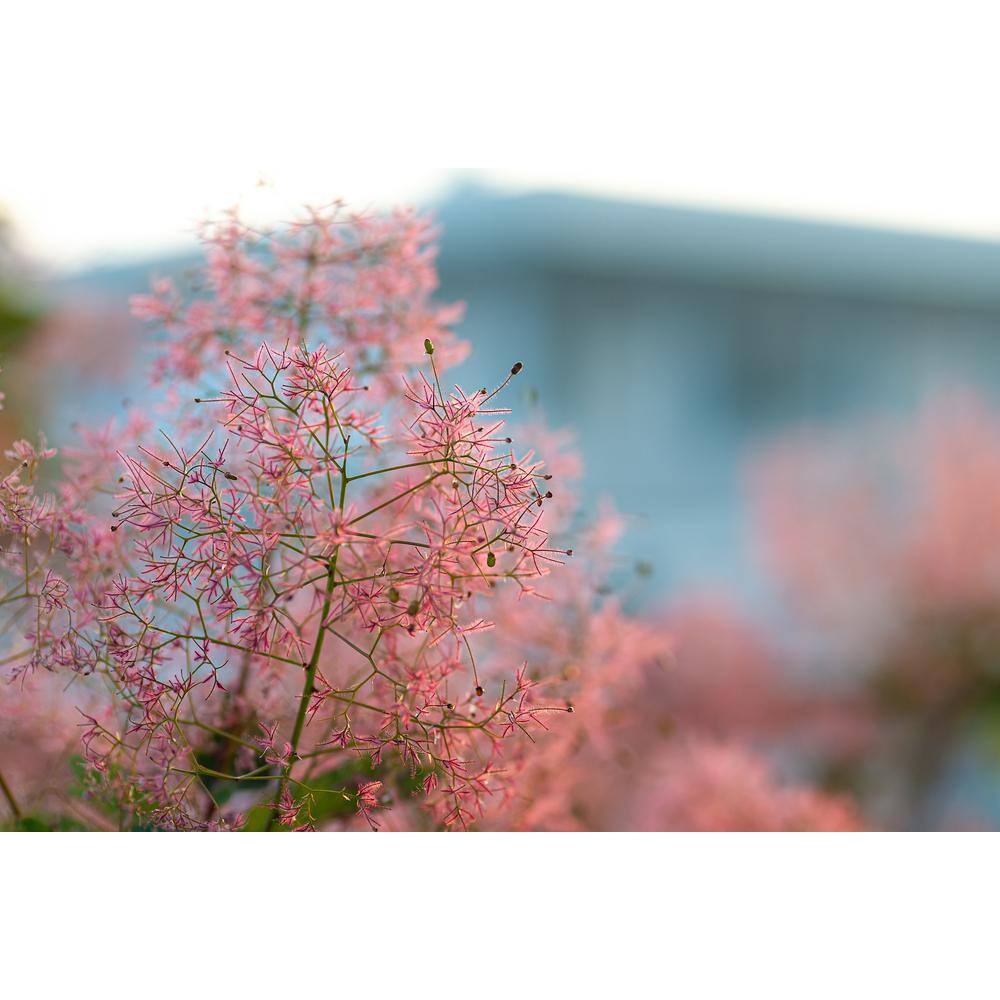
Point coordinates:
pixel 592 235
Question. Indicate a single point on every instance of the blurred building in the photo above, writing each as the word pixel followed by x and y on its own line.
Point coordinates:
pixel 674 341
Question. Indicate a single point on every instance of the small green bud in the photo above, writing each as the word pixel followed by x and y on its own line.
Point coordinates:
pixel 428 347
pixel 393 595
pixel 413 607
pixel 491 560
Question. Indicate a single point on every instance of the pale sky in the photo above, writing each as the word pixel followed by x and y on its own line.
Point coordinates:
pixel 123 124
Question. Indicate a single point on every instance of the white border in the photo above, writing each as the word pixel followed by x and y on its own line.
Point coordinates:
pixel 803 916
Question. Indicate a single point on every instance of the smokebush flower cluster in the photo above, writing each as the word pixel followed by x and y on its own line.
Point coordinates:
pixel 307 586
pixel 274 604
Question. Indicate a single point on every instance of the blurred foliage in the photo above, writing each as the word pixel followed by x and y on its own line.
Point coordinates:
pixel 17 319
pixel 333 793
pixel 19 313
pixel 44 823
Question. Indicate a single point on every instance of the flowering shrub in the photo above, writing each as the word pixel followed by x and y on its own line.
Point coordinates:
pixel 312 591
pixel 278 614
pixel 887 543
pixel 705 786
pixel 674 711
pixel 671 705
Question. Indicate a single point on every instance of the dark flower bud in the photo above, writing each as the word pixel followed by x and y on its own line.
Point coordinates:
pixel 413 607
pixel 479 690
pixel 516 368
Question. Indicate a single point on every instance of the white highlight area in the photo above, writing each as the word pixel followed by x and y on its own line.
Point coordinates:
pixel 124 124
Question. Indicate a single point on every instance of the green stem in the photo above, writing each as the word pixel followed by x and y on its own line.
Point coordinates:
pixel 308 687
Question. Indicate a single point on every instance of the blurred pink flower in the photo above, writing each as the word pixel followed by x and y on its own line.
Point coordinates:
pixel 704 786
